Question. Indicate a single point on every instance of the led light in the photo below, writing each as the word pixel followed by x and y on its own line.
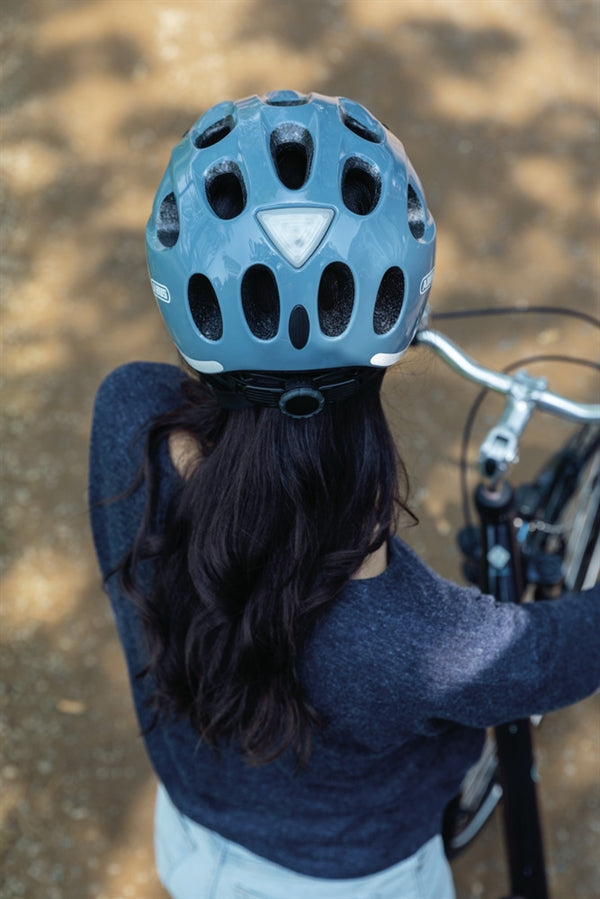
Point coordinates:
pixel 296 231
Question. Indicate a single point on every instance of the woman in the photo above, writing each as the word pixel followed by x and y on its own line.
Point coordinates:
pixel 310 693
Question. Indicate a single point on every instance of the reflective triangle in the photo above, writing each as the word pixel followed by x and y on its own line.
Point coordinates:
pixel 296 231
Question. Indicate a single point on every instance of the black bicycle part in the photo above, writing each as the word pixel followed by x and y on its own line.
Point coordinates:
pixel 502 577
pixel 469 543
pixel 543 504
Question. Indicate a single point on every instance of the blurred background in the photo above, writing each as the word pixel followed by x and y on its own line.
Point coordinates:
pixel 496 102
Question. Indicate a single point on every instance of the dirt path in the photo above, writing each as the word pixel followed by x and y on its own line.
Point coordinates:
pixel 497 103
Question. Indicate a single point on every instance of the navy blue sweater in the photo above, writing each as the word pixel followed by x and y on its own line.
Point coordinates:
pixel 408 669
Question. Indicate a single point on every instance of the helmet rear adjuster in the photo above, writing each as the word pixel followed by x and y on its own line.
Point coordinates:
pixel 301 402
pixel 297 394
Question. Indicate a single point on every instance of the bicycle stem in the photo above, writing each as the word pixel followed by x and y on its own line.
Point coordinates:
pixel 500 449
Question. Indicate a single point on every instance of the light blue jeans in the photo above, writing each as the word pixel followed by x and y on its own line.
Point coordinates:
pixel 196 863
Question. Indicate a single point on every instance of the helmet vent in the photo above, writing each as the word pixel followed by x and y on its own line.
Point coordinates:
pixel 361 186
pixel 167 223
pixel 286 98
pixel 361 129
pixel 292 152
pixel 416 214
pixel 336 299
pixel 299 327
pixel 260 300
pixel 204 307
pixel 214 133
pixel 225 190
pixel 388 304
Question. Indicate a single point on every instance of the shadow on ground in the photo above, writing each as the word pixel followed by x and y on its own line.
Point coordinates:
pixel 497 107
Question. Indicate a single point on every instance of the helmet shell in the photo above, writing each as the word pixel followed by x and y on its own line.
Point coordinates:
pixel 290 233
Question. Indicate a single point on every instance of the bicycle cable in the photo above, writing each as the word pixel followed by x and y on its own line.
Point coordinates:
pixel 518 310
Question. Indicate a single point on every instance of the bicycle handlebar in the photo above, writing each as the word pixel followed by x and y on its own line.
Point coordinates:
pixel 533 391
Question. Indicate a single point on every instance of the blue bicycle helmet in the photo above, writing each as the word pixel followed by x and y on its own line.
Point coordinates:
pixel 290 249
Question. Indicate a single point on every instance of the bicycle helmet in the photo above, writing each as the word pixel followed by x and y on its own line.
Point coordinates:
pixel 290 249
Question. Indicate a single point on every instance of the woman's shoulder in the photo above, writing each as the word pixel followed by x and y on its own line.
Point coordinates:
pixel 139 390
pixel 128 399
pixel 412 569
pixel 414 589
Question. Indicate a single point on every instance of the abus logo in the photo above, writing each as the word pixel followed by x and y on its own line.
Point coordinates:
pixel 161 291
pixel 426 282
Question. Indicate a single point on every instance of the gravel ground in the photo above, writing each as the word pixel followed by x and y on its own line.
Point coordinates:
pixel 497 103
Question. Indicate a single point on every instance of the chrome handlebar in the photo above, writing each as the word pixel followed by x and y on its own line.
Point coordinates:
pixel 531 389
pixel 524 394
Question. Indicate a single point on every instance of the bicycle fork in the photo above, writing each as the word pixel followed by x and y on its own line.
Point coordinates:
pixel 502 577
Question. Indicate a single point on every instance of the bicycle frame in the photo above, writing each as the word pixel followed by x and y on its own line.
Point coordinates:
pixel 501 571
pixel 502 577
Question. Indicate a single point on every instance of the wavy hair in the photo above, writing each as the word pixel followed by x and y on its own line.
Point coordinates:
pixel 257 542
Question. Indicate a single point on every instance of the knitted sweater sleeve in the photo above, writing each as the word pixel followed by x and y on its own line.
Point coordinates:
pixel 127 400
pixel 487 662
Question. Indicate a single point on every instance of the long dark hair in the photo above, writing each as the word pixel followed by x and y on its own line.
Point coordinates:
pixel 259 539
